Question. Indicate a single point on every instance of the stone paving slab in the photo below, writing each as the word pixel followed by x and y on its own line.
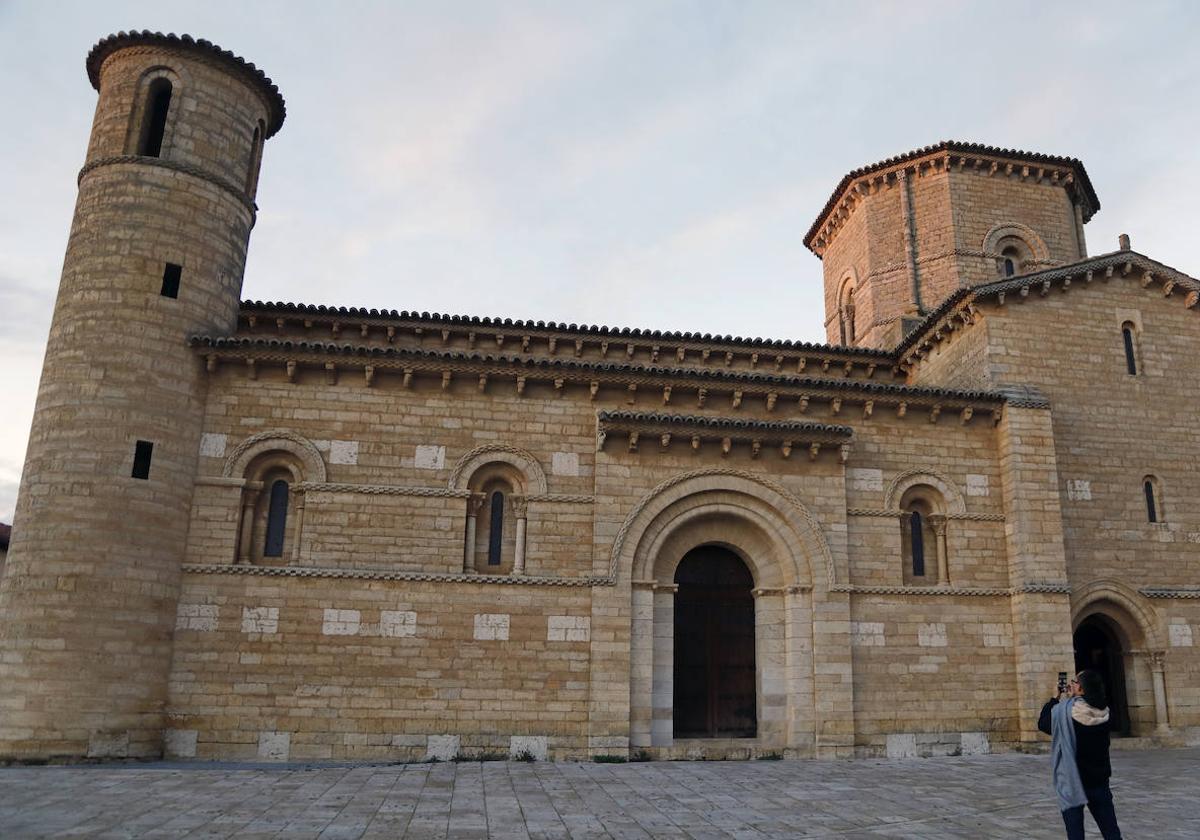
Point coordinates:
pixel 998 796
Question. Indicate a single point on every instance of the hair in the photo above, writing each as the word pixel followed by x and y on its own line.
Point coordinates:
pixel 1093 689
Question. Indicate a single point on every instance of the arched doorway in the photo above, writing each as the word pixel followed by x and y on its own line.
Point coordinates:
pixel 1098 648
pixel 714 669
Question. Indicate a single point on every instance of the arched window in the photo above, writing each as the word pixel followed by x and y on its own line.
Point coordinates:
pixel 922 527
pixel 495 528
pixel 256 145
pixel 1150 489
pixel 277 509
pixel 1129 337
pixel 845 310
pixel 1011 260
pixel 154 118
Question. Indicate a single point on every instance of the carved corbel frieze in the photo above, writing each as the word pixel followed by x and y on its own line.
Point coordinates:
pixel 369 375
pixel 447 376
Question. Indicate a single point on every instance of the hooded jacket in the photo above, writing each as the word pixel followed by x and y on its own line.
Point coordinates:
pixel 1092 727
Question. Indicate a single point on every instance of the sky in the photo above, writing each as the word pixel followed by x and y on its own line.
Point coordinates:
pixel 644 163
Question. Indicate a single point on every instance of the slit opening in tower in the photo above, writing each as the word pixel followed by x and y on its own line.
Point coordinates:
pixel 158 103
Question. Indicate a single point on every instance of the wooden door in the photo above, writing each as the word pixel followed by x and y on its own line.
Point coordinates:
pixel 714 680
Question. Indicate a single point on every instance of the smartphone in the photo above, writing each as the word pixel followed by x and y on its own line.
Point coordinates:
pixel 1062 681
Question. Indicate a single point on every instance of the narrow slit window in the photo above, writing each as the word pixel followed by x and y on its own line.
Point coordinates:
pixel 496 528
pixel 1131 365
pixel 158 103
pixel 277 509
pixel 918 545
pixel 1151 501
pixel 142 451
pixel 1010 267
pixel 170 280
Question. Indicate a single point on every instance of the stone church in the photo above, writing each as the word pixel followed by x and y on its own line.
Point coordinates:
pixel 252 530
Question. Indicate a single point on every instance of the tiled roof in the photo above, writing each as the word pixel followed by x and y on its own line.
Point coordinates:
pixel 107 46
pixel 434 318
pixel 723 423
pixel 958 147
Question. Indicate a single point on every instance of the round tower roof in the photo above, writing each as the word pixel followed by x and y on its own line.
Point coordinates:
pixel 206 49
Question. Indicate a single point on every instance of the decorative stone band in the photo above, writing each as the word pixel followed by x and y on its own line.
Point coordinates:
pixel 943 591
pixel 496 370
pixel 439 492
pixel 372 574
pixel 1169 592
pixel 726 430
pixel 187 169
pixel 885 512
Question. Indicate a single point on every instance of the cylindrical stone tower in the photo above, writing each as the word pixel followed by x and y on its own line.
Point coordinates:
pixel 156 253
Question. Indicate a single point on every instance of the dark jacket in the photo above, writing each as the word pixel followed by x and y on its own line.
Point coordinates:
pixel 1091 747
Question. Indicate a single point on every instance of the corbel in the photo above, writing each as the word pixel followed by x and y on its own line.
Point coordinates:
pixel 251 369
pixel 666 394
pixel 631 393
pixel 520 386
pixel 701 396
pixel 802 404
pixel 1066 283
pixel 966 415
pixel 369 375
pixel 704 354
pixel 335 329
pixel 695 443
pixel 364 330
pixel 1191 300
pixel 726 445
pixel 785 449
pixel 482 382
pixel 801 363
pixel 871 370
pixel 418 331
pixel 737 399
pixel 471 340
pixel 252 320
pixel 665 440
pixel 680 352
pixel 1024 293
pixel 279 322
pixel 308 324
pixel 728 358
pixel 902 409
pixel 1126 268
pixel 558 386
pixel 524 344
pixel 552 345
pixel 825 366
pixel 593 388
pixel 847 368
pixel 633 441
pixel 600 436
pixel 1108 273
pixel 446 376
pixel 868 409
pixel 1045 287
pixel 934 413
pixel 291 371
pixel 755 448
pixel 654 354
pixel 997 415
pixel 499 341
pixel 814 449
pixel 992 169
pixel 844 453
pixel 1147 279
pixel 391 334
pixel 753 360
pixel 1000 298
pixel 630 349
pixel 408 375
pixel 578 347
pixel 835 406
pixel 1008 169
pixel 778 363
pixel 604 349
pixel 330 373
pixel 445 337
pixel 1087 278
pixel 1168 287
pixel 771 398
pixel 210 363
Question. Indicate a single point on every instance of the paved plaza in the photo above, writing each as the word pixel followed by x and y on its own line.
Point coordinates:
pixel 974 797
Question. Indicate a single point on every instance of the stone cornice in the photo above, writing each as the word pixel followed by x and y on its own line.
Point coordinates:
pixel 199 49
pixel 491 370
pixel 949 154
pixel 163 163
pixel 961 309
pixel 692 429
pixel 380 574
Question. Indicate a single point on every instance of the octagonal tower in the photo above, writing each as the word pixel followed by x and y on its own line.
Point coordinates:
pixel 899 236
pixel 156 253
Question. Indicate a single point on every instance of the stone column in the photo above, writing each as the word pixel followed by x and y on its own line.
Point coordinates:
pixel 938 521
pixel 662 694
pixel 520 509
pixel 297 525
pixel 641 652
pixel 474 502
pixel 245 538
pixel 1157 666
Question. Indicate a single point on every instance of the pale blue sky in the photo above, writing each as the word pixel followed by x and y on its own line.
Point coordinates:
pixel 650 164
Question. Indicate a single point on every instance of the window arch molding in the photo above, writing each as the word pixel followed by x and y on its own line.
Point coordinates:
pixel 273 471
pixel 521 460
pixel 135 132
pixel 846 307
pixel 1004 233
pixel 277 440
pixel 951 497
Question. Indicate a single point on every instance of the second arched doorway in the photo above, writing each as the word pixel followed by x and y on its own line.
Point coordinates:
pixel 714 662
pixel 1098 648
